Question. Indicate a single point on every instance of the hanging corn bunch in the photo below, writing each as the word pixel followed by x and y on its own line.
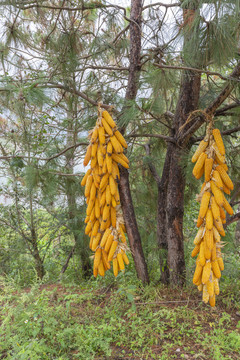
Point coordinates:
pixel 210 162
pixel 105 224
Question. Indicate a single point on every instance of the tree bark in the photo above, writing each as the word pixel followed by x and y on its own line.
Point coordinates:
pixel 38 260
pixel 124 186
pixel 131 226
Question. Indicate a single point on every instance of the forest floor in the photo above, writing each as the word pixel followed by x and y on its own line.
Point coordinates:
pixel 115 322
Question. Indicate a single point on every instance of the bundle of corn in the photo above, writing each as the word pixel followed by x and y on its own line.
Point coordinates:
pixel 210 161
pixel 105 224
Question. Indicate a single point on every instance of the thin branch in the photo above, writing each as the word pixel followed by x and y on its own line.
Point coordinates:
pixel 6 157
pixel 232 219
pixel 164 137
pixel 223 133
pixel 200 71
pixel 221 111
pixel 161 4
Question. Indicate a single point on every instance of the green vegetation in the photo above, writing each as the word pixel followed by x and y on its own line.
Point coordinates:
pixel 111 319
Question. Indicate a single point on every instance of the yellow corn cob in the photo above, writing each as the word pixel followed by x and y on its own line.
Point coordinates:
pixel 227 207
pixel 219 226
pixel 93 192
pixel 121 139
pixel 95 228
pixel 101 135
pixel 95 272
pixel 206 272
pixel 106 263
pixel 119 160
pixel 109 163
pixel 113 217
pixel 216 234
pixel 97 208
pixel 220 263
pixel 201 147
pixel 209 219
pixel 117 198
pixel 97 258
pixel 87 219
pixel 101 270
pixel 115 267
pixel 107 128
pixel 215 269
pixel 122 156
pixel 217 179
pixel 114 204
pixel 109 148
pixel 214 253
pixel 122 235
pixel 125 258
pixel 88 227
pixel 216 286
pixel 195 251
pixel 94 150
pixel 108 196
pixel 103 199
pixel 103 226
pixel 209 238
pixel 218 195
pixel 120 261
pixel 219 141
pixel 94 135
pixel 112 250
pixel 104 182
pixel 105 237
pixel 90 207
pixel 88 185
pixel 115 171
pixel 93 216
pixel 113 186
pixel 212 300
pixel 100 157
pixel 109 119
pixel 198 237
pixel 205 295
pixel 93 162
pixel 96 241
pixel 226 189
pixel 200 173
pixel 215 208
pixel 220 158
pixel 199 221
pixel 207 251
pixel 202 259
pixel 116 144
pixel 106 213
pixel 208 169
pixel 225 178
pixel 198 273
pixel 204 204
pixel 199 164
pixel 84 180
pixel 222 213
pixel 88 155
pixel 108 243
pixel 210 287
pixel 103 149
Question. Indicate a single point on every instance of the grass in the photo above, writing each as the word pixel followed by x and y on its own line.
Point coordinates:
pixel 125 321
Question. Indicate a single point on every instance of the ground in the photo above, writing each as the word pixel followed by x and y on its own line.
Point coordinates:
pixel 116 322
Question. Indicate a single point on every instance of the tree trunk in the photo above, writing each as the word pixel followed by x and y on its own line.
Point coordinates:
pixel 124 188
pixel 38 260
pixel 171 192
pixel 131 226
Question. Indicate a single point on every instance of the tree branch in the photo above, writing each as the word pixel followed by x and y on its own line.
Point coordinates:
pixel 164 137
pixel 232 219
pixel 161 4
pixel 200 71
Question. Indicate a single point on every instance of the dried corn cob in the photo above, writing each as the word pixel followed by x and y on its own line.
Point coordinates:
pixel 210 157
pixel 104 221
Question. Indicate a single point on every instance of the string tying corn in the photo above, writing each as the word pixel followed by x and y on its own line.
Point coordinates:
pixel 104 221
pixel 210 161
